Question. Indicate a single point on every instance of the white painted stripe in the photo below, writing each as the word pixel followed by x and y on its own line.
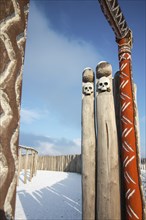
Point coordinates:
pixel 124 131
pixel 126 194
pixel 124 74
pixel 123 121
pixel 128 212
pixel 127 119
pixel 122 97
pixel 129 57
pixel 122 56
pixel 126 178
pixel 121 76
pixel 125 84
pixel 131 194
pixel 122 83
pixel 128 146
pixel 125 148
pixel 132 158
pixel 125 160
pixel 130 178
pixel 133 212
pixel 123 66
pixel 125 107
pixel 125 95
pixel 128 132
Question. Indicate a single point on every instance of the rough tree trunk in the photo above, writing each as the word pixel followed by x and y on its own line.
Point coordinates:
pixel 13 19
pixel 88 146
pixel 108 183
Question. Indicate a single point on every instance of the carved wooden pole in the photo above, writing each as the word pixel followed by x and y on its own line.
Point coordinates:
pixel 130 149
pixel 134 203
pixel 13 19
pixel 108 184
pixel 88 146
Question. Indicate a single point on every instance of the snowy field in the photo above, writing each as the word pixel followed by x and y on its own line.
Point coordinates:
pixel 50 195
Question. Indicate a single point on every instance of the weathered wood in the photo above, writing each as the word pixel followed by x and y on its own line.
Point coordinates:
pixel 137 129
pixel 68 163
pixel 25 167
pixel 108 184
pixel 31 165
pixel 88 146
pixel 19 164
pixel 13 19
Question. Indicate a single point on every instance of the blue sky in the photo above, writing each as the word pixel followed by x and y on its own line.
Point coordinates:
pixel 63 38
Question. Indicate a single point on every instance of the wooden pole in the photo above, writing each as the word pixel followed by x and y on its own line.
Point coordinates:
pixel 88 146
pixel 129 151
pixel 31 165
pixel 19 164
pixel 13 19
pixel 26 166
pixel 108 183
pixel 134 204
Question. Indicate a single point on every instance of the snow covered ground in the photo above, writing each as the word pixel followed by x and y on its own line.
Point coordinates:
pixel 143 175
pixel 50 195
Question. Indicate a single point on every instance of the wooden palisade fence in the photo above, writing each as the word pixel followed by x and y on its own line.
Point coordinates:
pixel 28 161
pixel 65 163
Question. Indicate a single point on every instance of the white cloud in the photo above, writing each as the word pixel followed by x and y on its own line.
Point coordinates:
pixel 51 146
pixel 46 148
pixel 53 68
pixel 29 115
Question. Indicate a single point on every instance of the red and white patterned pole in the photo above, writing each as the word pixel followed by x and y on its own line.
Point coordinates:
pixel 133 197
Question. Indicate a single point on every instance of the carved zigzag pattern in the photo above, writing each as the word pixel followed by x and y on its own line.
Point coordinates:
pixel 12 36
pixel 115 17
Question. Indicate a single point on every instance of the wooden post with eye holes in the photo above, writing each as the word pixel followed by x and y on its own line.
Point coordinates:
pixel 108 183
pixel 88 146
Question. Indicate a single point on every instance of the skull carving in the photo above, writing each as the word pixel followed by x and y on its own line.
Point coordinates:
pixel 104 84
pixel 88 88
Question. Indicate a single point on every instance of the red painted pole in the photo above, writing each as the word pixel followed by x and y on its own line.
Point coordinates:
pixel 132 191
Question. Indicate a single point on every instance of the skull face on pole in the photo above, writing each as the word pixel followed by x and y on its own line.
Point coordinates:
pixel 88 88
pixel 103 84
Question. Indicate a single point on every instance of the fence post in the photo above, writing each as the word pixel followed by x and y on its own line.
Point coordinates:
pixel 108 183
pixel 88 146
pixel 26 166
pixel 19 164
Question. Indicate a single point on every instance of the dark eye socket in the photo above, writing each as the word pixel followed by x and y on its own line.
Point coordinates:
pixel 90 87
pixel 105 83
pixel 100 84
pixel 86 87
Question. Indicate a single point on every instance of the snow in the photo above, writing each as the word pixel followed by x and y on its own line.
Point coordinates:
pixel 50 195
pixel 143 177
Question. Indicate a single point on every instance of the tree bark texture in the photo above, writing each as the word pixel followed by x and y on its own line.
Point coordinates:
pixel 13 19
